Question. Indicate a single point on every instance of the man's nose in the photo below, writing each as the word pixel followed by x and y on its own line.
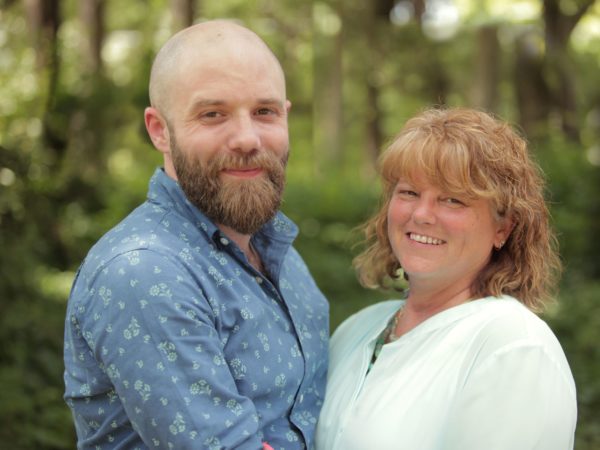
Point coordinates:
pixel 245 137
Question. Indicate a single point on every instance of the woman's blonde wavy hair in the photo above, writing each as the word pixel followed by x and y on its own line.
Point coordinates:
pixel 469 152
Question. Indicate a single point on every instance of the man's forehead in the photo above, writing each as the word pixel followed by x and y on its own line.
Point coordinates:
pixel 211 49
pixel 215 38
pixel 225 58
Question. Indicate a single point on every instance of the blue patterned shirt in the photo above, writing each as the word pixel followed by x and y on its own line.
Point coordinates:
pixel 174 341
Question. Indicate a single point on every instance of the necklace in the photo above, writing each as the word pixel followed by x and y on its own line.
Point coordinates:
pixel 387 335
pixel 391 328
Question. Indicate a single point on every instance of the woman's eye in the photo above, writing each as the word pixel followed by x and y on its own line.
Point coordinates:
pixel 454 201
pixel 406 193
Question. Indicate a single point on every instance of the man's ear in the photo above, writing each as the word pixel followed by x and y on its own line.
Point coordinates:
pixel 157 129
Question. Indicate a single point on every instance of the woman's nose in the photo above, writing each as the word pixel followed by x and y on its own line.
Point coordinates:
pixel 424 211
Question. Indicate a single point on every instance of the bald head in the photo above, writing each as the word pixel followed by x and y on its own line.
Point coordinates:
pixel 203 43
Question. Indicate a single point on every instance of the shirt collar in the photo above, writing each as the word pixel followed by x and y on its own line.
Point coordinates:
pixel 166 191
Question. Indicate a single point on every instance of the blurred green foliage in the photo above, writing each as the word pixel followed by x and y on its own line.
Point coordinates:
pixel 74 158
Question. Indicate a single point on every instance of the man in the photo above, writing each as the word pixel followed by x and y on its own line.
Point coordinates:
pixel 193 323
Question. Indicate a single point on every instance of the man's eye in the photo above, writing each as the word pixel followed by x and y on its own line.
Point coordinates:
pixel 265 111
pixel 211 114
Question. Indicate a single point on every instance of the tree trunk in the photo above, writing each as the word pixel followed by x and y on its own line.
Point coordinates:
pixel 558 29
pixel 419 7
pixel 44 20
pixel 383 8
pixel 534 98
pixel 374 138
pixel 487 69
pixel 328 101
pixel 43 17
pixel 92 18
pixel 183 13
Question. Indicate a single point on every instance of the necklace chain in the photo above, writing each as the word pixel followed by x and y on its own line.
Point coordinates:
pixel 387 335
pixel 391 334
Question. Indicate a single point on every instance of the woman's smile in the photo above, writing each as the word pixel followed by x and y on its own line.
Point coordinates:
pixel 423 239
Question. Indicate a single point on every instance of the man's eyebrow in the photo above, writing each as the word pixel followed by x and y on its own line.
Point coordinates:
pixel 270 101
pixel 200 103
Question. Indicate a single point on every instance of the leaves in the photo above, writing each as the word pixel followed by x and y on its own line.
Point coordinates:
pixel 75 158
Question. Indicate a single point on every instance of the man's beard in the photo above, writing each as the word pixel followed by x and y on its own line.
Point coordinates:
pixel 243 204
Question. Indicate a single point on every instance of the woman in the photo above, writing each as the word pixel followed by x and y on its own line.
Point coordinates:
pixel 461 363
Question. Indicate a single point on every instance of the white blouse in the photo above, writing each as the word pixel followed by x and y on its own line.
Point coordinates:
pixel 483 375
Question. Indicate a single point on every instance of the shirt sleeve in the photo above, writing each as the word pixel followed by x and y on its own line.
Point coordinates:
pixel 520 398
pixel 153 332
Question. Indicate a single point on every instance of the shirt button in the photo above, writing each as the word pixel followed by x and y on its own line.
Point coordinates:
pixel 258 280
pixel 301 399
pixel 224 241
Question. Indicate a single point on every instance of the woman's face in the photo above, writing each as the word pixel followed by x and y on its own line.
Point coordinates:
pixel 439 237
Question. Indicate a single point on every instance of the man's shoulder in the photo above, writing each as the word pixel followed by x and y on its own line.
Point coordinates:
pixel 150 228
pixel 136 231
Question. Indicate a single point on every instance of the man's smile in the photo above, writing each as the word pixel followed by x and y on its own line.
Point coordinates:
pixel 244 173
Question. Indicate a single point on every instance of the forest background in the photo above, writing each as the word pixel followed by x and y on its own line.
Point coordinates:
pixel 75 159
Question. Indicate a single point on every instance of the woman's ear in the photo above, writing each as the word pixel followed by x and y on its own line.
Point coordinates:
pixel 506 225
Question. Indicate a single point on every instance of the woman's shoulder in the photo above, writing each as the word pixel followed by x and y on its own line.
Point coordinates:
pixel 506 334
pixel 506 322
pixel 509 312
